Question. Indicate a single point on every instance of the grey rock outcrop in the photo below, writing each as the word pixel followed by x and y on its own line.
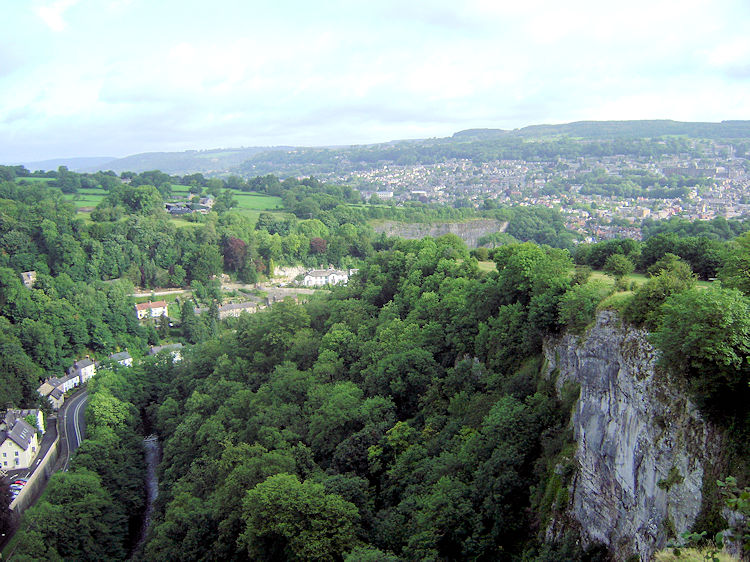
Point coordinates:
pixel 469 231
pixel 642 446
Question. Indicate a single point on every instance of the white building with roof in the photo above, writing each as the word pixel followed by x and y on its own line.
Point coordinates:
pixel 123 358
pixel 19 443
pixel 320 277
pixel 151 309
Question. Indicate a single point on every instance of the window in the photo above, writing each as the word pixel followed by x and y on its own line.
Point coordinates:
pixel 16 453
pixel 5 454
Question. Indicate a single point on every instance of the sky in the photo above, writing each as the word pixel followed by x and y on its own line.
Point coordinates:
pixel 119 77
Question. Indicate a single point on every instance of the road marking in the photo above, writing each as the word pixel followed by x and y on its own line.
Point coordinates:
pixel 76 409
pixel 75 421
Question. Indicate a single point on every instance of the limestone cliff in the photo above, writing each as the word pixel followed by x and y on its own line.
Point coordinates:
pixel 642 446
pixel 469 231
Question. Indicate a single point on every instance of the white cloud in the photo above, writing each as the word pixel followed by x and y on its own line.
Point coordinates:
pixel 234 72
pixel 52 13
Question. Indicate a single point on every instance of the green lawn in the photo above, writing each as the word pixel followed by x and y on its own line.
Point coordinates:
pixel 86 197
pixel 248 204
pixel 35 180
pixel 487 266
pixel 257 201
pixel 181 189
pixel 639 279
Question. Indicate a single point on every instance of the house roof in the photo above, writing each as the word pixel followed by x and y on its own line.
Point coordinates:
pixel 230 306
pixel 238 305
pixel 56 381
pixel 325 272
pixel 120 356
pixel 169 347
pixel 148 305
pixel 77 366
pixel 45 388
pixel 21 433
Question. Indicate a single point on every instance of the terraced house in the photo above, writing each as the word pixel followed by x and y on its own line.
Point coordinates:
pixel 18 438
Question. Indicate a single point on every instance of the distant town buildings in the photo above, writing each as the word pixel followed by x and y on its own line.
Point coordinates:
pixel 556 183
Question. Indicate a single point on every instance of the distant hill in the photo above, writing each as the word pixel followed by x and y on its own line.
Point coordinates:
pixel 83 164
pixel 536 142
pixel 476 144
pixel 618 129
pixel 188 162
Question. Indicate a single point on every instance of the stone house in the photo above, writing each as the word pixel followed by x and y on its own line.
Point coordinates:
pixel 320 277
pixel 123 358
pixel 19 443
pixel 151 309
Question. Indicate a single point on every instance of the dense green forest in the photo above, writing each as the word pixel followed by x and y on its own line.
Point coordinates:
pixel 402 417
pixel 405 416
pixel 87 268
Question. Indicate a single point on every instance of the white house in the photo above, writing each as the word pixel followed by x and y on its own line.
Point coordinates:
pixel 123 358
pixel 151 309
pixel 174 349
pixel 54 389
pixel 320 277
pixel 83 369
pixel 19 443
pixel 28 278
pixel 232 310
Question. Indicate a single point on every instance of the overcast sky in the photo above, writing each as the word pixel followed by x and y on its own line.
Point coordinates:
pixel 117 77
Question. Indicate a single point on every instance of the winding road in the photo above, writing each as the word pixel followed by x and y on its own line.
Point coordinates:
pixel 74 422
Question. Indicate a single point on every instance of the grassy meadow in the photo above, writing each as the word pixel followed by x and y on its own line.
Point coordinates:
pixel 249 204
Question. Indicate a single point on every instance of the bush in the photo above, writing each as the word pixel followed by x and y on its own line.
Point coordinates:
pixel 577 306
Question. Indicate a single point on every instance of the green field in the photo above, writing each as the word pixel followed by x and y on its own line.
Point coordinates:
pixel 248 204
pixel 638 278
pixel 257 201
pixel 35 180
pixel 86 197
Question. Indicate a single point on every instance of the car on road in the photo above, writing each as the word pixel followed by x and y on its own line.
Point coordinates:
pixel 21 481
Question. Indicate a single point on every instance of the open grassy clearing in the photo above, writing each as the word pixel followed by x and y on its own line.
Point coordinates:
pixel 638 278
pixel 691 555
pixel 257 201
pixel 86 197
pixel 35 180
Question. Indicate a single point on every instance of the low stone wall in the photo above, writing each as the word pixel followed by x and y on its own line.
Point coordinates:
pixel 37 481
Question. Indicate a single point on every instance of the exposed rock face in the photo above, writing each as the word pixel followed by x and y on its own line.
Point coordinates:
pixel 469 231
pixel 642 445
